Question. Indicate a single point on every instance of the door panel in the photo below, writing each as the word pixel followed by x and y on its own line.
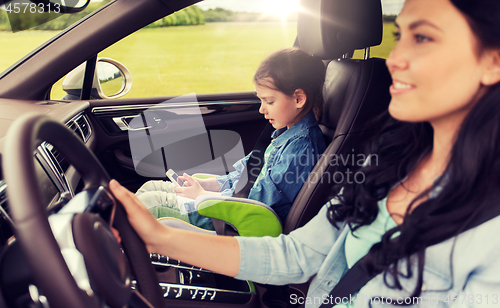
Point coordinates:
pixel 139 139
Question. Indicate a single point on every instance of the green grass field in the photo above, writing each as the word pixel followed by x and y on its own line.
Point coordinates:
pixel 16 45
pixel 388 43
pixel 212 58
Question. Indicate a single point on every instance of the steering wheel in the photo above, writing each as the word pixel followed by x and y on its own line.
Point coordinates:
pixel 74 258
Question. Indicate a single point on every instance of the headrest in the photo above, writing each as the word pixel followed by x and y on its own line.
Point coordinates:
pixel 331 28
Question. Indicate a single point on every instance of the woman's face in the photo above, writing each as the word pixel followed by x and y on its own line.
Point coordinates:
pixel 435 67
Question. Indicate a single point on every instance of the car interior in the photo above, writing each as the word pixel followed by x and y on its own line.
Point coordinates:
pixel 59 155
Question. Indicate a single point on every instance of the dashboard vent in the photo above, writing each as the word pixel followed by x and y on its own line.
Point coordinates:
pixel 84 127
pixel 3 195
pixel 80 125
pixel 63 163
pixel 74 127
pixel 5 230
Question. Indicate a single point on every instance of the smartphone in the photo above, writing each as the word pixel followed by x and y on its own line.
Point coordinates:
pixel 174 177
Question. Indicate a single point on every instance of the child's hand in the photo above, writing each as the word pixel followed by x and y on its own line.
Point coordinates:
pixel 144 223
pixel 182 180
pixel 191 188
pixel 209 184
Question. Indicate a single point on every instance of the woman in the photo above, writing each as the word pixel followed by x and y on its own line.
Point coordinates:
pixel 438 170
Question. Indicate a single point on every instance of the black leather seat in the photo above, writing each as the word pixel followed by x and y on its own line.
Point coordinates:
pixel 355 90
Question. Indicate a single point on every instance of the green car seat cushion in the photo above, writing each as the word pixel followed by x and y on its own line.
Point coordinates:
pixel 249 217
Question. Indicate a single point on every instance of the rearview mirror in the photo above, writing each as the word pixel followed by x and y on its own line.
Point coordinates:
pixel 64 6
pixel 111 80
pixel 26 14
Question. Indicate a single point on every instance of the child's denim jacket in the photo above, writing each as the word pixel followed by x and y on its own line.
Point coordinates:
pixel 296 151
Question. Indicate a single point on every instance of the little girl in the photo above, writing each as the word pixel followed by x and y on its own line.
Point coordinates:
pixel 289 84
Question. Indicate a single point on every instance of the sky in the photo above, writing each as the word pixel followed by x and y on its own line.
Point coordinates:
pixel 389 7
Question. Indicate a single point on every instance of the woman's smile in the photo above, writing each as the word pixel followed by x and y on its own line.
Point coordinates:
pixel 399 87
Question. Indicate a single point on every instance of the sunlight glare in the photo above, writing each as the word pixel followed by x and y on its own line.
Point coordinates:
pixel 281 8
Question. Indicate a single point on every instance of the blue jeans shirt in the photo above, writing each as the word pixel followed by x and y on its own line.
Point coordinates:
pixel 296 151
pixel 471 280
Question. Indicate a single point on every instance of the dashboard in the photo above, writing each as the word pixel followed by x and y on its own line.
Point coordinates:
pixel 51 167
pixel 58 180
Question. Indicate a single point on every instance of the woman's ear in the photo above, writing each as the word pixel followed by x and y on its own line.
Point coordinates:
pixel 491 74
pixel 300 98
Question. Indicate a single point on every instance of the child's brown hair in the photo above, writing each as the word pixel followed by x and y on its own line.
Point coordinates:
pixel 291 69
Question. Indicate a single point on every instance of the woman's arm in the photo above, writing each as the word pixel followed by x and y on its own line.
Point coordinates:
pixel 220 254
pixel 291 258
pixel 285 259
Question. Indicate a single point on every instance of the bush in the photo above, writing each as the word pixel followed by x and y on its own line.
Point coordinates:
pixel 192 15
pixel 4 21
pixel 389 18
pixel 223 15
pixel 218 15
pixel 44 21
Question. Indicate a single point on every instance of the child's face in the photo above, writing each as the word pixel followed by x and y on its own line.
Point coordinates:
pixel 281 110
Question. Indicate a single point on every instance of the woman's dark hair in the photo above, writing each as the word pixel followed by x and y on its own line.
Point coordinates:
pixel 291 69
pixel 469 186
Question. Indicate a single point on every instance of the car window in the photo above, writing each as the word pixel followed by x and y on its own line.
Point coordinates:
pixel 21 33
pixel 216 55
pixel 209 49
pixel 388 41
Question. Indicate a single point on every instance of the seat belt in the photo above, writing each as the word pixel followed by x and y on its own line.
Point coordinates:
pixel 358 275
pixel 254 164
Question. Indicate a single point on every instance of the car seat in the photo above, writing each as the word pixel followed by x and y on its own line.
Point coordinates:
pixel 355 91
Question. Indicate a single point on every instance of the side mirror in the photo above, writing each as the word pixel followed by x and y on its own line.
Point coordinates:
pixel 111 80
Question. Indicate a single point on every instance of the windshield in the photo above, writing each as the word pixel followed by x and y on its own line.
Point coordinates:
pixel 24 26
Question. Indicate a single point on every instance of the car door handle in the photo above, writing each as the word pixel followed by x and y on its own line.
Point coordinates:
pixel 124 123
